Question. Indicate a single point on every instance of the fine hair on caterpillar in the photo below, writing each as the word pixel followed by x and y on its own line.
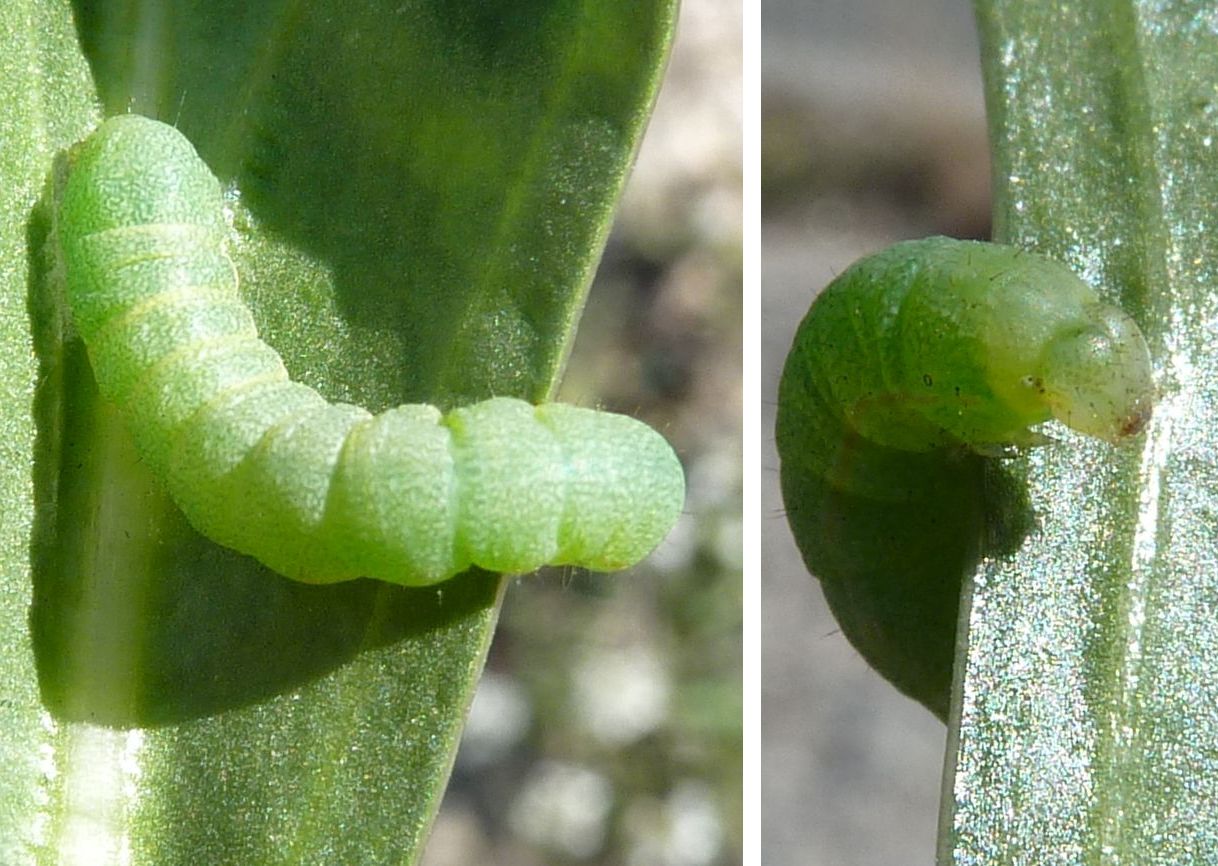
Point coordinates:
pixel 321 491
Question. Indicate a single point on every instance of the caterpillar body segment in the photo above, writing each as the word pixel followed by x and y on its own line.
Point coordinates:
pixel 319 491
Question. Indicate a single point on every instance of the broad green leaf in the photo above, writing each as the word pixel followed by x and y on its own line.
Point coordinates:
pixel 1086 717
pixel 421 191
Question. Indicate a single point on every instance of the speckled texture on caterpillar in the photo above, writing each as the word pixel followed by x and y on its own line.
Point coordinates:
pixel 938 343
pixel 319 491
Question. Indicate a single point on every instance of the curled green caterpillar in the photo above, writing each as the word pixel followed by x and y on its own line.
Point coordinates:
pixel 910 368
pixel 936 343
pixel 322 492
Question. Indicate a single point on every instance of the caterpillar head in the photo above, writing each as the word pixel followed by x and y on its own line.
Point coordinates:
pixel 1096 378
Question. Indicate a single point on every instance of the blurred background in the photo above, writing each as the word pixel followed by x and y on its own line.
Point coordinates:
pixel 873 131
pixel 606 729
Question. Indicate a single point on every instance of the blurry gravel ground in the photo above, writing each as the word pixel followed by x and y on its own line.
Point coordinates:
pixel 606 729
pixel 872 131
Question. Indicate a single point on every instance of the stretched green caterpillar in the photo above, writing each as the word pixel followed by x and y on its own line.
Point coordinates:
pixel 938 343
pixel 318 491
pixel 909 368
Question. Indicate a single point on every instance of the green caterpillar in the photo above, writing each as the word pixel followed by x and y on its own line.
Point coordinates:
pixel 318 491
pixel 909 369
pixel 938 343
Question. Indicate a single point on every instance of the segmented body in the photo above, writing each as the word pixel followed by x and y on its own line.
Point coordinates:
pixel 939 343
pixel 321 491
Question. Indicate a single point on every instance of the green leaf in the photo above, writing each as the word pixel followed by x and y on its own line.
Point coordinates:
pixel 1086 716
pixel 421 190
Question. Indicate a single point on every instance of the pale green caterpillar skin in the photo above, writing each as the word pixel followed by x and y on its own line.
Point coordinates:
pixel 318 491
pixel 938 342
pixel 910 367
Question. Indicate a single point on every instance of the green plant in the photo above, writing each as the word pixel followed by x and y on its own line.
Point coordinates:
pixel 1102 125
pixel 434 181
pixel 1083 715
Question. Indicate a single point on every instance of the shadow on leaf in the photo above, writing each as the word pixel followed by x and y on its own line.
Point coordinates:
pixel 892 569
